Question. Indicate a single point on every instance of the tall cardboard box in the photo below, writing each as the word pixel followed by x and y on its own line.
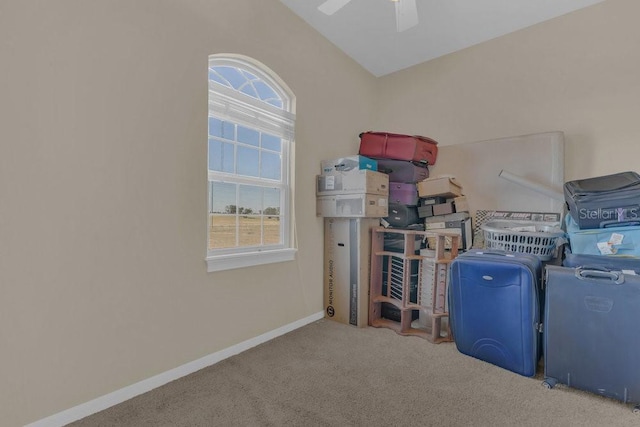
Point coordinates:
pixel 347 259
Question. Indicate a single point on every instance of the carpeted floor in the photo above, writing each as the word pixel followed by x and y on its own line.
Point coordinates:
pixel 330 374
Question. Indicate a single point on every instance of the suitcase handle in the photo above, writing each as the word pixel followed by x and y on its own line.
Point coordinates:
pixel 495 252
pixel 628 223
pixel 580 191
pixel 592 273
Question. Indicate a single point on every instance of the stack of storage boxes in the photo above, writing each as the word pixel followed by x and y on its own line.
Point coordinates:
pixel 351 187
pixel 443 206
pixel 352 196
pixel 604 215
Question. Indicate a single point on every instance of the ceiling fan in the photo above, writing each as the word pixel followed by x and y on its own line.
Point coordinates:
pixel 406 11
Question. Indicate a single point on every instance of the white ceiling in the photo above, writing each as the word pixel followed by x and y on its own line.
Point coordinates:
pixel 366 29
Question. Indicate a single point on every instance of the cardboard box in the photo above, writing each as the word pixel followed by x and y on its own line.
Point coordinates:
pixel 352 206
pixel 358 181
pixel 460 204
pixel 347 164
pixel 458 216
pixel 440 186
pixel 443 208
pixel 347 259
pixel 425 211
pixel 463 227
pixel 432 201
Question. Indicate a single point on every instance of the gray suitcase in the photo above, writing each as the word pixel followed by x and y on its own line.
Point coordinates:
pixel 604 201
pixel 611 262
pixel 402 216
pixel 592 332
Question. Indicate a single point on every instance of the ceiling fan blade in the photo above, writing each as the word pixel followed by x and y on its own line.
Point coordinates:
pixel 406 14
pixel 330 7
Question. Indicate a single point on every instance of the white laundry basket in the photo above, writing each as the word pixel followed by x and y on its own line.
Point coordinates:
pixel 529 237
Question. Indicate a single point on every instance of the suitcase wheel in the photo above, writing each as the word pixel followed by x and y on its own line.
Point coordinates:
pixel 549 383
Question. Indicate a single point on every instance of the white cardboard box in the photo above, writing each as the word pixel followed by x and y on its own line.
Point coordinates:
pixel 359 181
pixel 348 164
pixel 359 205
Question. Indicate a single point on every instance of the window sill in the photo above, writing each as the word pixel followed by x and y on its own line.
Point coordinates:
pixel 249 259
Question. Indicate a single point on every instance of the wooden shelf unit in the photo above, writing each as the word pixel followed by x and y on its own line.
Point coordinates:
pixel 432 282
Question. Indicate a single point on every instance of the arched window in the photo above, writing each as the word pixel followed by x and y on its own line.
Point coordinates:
pixel 250 163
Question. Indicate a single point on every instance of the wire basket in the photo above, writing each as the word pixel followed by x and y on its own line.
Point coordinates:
pixel 529 237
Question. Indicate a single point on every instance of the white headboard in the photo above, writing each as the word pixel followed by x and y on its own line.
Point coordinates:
pixel 537 159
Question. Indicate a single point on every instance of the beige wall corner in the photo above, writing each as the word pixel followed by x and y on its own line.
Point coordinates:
pixel 577 73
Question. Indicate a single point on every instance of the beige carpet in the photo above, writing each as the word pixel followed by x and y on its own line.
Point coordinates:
pixel 330 374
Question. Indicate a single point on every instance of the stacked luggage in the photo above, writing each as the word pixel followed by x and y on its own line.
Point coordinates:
pixel 416 200
pixel 580 315
pixel 405 159
pixel 604 215
pixel 591 334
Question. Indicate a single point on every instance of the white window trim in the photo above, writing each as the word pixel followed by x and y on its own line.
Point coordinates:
pixel 249 259
pixel 221 261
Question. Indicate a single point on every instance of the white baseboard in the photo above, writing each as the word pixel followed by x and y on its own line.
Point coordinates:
pixel 101 403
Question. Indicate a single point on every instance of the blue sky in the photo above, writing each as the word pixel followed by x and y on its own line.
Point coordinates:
pixel 259 154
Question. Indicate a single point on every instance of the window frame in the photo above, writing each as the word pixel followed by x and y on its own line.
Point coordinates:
pixel 231 105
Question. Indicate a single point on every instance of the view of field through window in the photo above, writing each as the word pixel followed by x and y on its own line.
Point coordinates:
pixel 243 215
pixel 250 230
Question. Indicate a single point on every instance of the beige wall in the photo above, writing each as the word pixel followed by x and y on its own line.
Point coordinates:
pixel 103 204
pixel 579 73
pixel 103 158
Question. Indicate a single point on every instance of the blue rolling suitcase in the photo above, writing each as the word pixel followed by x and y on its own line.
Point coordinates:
pixel 592 331
pixel 623 240
pixel 494 308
